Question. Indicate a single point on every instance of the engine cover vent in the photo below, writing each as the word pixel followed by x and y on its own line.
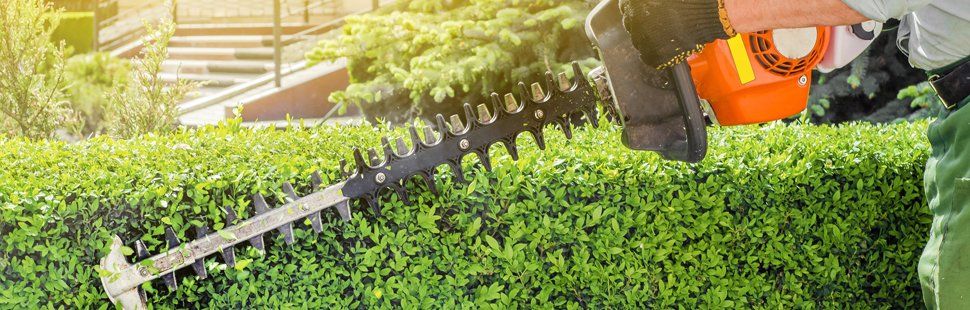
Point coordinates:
pixel 787 52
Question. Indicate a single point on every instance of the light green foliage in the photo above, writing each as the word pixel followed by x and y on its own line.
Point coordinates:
pixel 923 98
pixel 76 30
pixel 807 217
pixel 148 104
pixel 41 92
pixel 91 78
pixel 923 95
pixel 31 102
pixel 433 54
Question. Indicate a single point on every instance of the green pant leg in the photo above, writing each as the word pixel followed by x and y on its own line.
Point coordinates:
pixel 944 267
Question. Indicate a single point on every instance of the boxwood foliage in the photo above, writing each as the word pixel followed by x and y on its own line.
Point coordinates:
pixel 777 216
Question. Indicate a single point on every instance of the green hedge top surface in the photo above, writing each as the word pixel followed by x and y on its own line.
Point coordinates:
pixel 777 216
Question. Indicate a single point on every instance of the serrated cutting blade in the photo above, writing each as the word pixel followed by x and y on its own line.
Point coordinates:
pixel 557 102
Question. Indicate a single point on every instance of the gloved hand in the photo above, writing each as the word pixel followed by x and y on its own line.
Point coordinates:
pixel 666 32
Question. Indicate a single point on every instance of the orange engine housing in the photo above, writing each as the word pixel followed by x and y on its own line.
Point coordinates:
pixel 758 77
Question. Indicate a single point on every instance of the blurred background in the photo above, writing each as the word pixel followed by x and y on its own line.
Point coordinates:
pixel 74 69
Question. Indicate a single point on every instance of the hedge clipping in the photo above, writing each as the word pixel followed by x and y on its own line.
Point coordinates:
pixel 778 216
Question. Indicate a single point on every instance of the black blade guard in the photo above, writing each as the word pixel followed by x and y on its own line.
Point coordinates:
pixel 660 110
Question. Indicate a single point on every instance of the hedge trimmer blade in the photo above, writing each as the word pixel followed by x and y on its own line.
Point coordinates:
pixel 564 103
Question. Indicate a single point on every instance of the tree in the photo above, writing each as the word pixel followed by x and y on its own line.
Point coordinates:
pixel 872 88
pixel 431 56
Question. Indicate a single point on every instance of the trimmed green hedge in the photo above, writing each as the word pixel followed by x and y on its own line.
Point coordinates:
pixel 777 217
pixel 76 29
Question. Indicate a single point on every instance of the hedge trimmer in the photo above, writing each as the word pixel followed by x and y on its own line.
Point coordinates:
pixel 659 109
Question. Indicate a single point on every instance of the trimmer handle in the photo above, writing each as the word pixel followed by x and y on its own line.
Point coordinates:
pixel 660 110
pixel 695 124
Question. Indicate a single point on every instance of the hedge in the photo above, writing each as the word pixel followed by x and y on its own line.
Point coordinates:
pixel 779 216
pixel 76 30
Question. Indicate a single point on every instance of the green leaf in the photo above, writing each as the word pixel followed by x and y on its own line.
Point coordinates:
pixel 492 243
pixel 489 293
pixel 242 264
pixel 428 220
pixel 473 228
pixel 569 23
pixel 854 81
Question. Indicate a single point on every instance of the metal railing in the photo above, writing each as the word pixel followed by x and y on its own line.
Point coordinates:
pixel 207 10
pixel 278 71
pixel 125 26
pixel 126 29
pixel 278 42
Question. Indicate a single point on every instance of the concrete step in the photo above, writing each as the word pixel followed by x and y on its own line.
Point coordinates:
pixel 268 19
pixel 203 91
pixel 237 41
pixel 210 80
pixel 303 96
pixel 216 53
pixel 237 29
pixel 217 66
pixel 207 116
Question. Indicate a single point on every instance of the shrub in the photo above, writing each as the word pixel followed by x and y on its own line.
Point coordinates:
pixel 869 88
pixel 31 101
pixel 922 96
pixel 76 30
pixel 91 79
pixel 148 104
pixel 431 56
pixel 823 217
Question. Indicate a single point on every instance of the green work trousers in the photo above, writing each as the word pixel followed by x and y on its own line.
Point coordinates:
pixel 944 267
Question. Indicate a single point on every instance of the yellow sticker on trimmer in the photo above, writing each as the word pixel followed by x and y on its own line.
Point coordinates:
pixel 741 61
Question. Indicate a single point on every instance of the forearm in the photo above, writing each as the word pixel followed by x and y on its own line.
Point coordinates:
pixel 758 15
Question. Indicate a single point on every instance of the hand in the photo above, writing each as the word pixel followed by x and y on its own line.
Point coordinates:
pixel 666 32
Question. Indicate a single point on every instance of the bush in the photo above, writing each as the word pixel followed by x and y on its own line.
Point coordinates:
pixel 76 30
pixel 432 55
pixel 824 217
pixel 148 104
pixel 91 78
pixel 923 97
pixel 871 88
pixel 32 103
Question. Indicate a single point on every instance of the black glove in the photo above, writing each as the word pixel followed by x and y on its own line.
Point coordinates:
pixel 666 32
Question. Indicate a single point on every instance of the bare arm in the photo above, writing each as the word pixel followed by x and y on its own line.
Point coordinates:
pixel 758 15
